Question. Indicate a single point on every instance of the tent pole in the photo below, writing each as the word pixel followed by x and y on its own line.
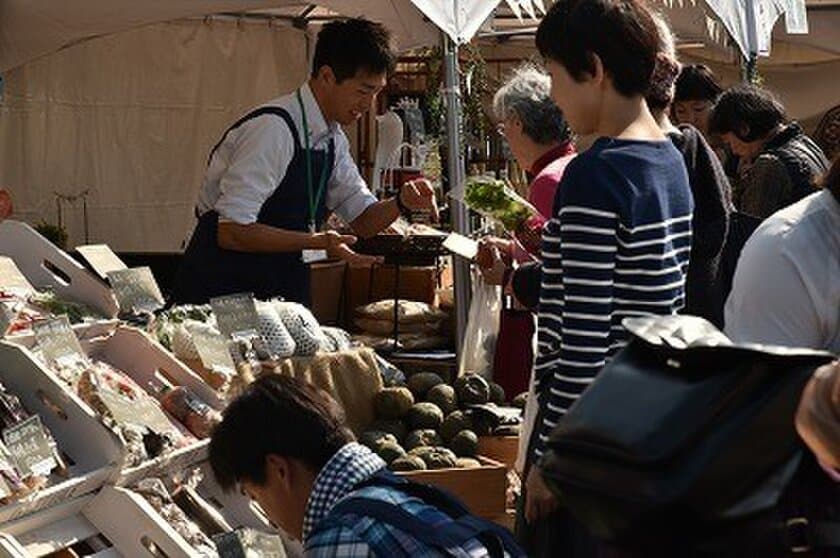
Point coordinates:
pixel 458 212
pixel 750 67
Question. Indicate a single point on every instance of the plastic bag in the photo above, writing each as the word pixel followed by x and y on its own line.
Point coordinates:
pixel 479 346
pixel 496 200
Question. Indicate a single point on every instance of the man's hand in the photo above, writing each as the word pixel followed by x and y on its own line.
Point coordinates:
pixel 418 195
pixel 354 259
pixel 330 240
pixel 484 258
pixel 540 502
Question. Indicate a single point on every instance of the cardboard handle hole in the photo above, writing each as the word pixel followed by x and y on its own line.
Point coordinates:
pixel 152 548
pixel 62 278
pixel 51 405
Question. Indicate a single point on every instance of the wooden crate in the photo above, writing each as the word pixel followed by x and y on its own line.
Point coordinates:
pixel 482 489
pixel 503 449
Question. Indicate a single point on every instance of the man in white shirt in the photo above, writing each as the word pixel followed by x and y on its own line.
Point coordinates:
pixel 786 289
pixel 279 171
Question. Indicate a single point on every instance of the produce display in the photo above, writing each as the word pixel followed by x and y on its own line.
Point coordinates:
pixel 427 424
pixel 22 312
pixel 155 492
pixel 498 201
pixel 18 478
pixel 420 325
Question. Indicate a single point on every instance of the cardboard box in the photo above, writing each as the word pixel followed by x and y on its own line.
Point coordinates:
pixel 47 267
pixel 129 523
pixel 503 449
pixel 135 353
pixel 327 287
pixel 482 490
pixel 95 452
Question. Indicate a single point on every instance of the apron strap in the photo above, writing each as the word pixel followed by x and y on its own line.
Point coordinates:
pixel 276 111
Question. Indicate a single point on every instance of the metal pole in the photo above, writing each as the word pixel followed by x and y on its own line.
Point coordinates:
pixel 751 64
pixel 458 212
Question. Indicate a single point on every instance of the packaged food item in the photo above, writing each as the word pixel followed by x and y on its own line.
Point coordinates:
pixel 155 492
pixel 279 342
pixel 190 411
pixel 302 326
pixel 496 200
pixel 409 312
pixel 130 411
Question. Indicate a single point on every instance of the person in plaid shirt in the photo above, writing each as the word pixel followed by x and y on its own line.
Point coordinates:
pixel 315 482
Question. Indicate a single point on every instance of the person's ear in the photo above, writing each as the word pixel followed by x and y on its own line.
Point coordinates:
pixel 598 73
pixel 326 75
pixel 278 468
pixel 743 132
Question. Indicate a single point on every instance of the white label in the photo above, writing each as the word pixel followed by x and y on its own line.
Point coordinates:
pixel 313 256
pixel 136 290
pixel 101 258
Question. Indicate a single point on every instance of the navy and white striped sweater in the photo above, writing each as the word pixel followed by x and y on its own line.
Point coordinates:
pixel 617 246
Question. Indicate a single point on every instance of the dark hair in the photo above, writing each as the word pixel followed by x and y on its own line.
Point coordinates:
pixel 747 111
pixel 276 415
pixel 621 33
pixel 697 82
pixel 831 179
pixel 350 45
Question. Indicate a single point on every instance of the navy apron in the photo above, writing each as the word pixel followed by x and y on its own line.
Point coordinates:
pixel 208 271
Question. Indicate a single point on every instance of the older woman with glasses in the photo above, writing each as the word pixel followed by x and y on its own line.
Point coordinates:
pixel 541 142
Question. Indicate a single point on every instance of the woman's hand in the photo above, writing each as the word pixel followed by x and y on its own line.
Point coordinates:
pixel 491 259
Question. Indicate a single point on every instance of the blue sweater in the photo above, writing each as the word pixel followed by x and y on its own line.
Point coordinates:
pixel 617 246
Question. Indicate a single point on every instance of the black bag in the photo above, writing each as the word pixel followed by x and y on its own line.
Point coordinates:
pixel 680 428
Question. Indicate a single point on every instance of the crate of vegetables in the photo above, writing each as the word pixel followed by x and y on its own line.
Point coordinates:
pixel 54 275
pixel 156 406
pixel 59 447
pixel 429 431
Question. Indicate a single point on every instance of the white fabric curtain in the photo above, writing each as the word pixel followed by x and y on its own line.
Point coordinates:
pixel 131 118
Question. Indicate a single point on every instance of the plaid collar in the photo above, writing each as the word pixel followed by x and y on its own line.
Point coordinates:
pixel 351 465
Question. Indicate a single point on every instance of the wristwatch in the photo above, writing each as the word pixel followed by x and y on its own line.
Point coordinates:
pixel 404 209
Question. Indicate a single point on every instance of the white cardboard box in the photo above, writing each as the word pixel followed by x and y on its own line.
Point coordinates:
pixel 48 267
pixel 135 353
pixel 95 451
pixel 128 522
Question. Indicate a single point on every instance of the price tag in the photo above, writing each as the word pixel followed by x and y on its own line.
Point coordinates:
pixel 101 258
pixel 136 290
pixel 244 542
pixel 213 350
pixel 313 256
pixel 144 412
pixel 11 278
pixel 235 314
pixel 461 245
pixel 30 446
pixel 57 340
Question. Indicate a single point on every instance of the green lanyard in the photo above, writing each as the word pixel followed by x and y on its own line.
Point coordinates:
pixel 314 197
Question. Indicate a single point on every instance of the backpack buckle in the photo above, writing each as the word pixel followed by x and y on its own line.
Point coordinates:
pixel 798 535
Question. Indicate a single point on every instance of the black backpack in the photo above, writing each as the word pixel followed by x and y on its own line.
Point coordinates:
pixel 680 429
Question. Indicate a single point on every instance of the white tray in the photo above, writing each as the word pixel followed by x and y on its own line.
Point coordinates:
pixel 48 267
pixel 95 451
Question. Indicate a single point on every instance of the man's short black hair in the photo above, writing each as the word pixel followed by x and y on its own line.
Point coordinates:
pixel 748 112
pixel 697 82
pixel 352 45
pixel 276 415
pixel 831 179
pixel 621 32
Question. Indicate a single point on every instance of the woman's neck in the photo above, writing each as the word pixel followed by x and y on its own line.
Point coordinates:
pixel 627 118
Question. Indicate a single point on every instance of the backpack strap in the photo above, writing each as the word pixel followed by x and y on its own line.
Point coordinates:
pixel 256 113
pixel 449 538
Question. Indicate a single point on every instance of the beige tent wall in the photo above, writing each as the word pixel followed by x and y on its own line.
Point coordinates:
pixel 131 118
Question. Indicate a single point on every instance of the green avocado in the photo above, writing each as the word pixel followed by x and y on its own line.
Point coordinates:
pixel 444 397
pixel 424 415
pixel 393 402
pixel 375 438
pixel 394 427
pixel 422 382
pixel 454 423
pixel 417 438
pixel 464 444
pixel 472 389
pixel 408 463
pixel 389 451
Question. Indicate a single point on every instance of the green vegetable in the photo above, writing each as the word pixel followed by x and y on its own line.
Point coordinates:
pixel 496 200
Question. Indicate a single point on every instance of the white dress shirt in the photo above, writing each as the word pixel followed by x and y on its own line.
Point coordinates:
pixel 252 160
pixel 786 289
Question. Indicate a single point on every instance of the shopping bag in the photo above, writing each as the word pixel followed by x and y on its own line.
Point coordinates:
pixel 479 346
